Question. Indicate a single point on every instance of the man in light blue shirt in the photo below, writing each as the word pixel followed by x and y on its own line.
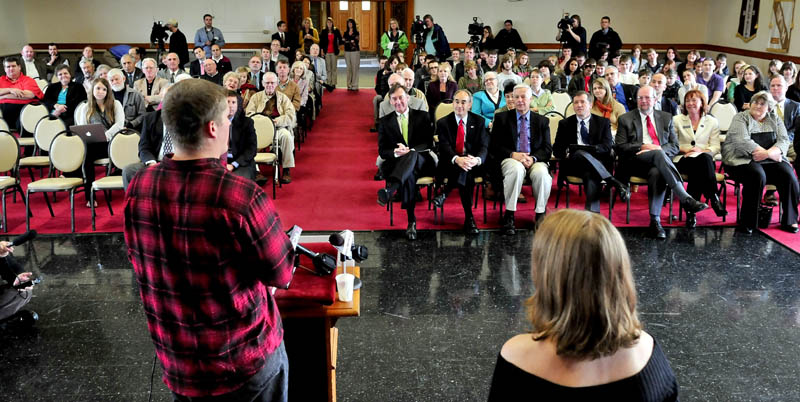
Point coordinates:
pixel 208 35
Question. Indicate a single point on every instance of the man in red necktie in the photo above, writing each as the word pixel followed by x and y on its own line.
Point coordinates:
pixel 646 142
pixel 463 146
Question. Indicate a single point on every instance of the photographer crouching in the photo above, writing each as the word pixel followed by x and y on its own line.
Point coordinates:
pixel 15 293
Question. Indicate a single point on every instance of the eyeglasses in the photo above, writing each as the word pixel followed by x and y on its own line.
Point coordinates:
pixel 642 98
pixel 589 65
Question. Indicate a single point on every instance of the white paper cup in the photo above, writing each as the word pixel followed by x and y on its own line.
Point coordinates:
pixel 344 286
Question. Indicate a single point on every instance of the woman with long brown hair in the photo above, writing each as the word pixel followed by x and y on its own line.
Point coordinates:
pixel 604 103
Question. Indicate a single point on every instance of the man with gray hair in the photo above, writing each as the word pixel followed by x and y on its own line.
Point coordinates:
pixel 208 249
pixel 132 101
pixel 30 66
pixel 177 42
pixel 129 69
pixel 520 147
pixel 279 108
pixel 151 85
pixel 173 68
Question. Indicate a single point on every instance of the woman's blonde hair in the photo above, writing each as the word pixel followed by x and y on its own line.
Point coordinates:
pixel 584 298
pixel 295 65
pixel 442 65
pixel 607 99
pixel 108 102
pixel 310 22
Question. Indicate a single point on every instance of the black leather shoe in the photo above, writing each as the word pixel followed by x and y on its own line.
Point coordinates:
pixel 508 225
pixel 693 206
pixel 19 321
pixel 744 230
pixel 539 219
pixel 378 176
pixel 790 228
pixel 623 190
pixel 470 227
pixel 384 196
pixel 438 201
pixel 656 231
pixel 691 221
pixel 411 232
pixel 716 205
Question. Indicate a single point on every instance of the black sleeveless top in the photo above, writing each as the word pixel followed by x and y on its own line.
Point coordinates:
pixel 655 382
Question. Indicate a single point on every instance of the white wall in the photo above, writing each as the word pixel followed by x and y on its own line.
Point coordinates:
pixel 635 20
pixel 12 27
pixel 93 21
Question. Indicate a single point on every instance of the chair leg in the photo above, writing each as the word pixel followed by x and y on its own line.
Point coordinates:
pixel 50 207
pixel 558 194
pixel 566 197
pixel 91 203
pixel 610 202
pixel 724 191
pixel 107 194
pixel 628 209
pixel 390 207
pixel 27 210
pixel 5 222
pixel 72 209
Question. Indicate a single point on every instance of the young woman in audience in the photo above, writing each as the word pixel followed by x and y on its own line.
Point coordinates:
pixel 774 67
pixel 736 79
pixel 441 88
pixel 691 62
pixel 490 99
pixel 523 68
pixel 571 70
pixel 470 81
pixel 690 83
pixel 508 93
pixel 752 83
pixel 487 41
pixel 745 160
pixel 636 58
pixel 506 72
pixel 698 140
pixel 352 52
pixel 789 73
pixel 549 82
pixel 542 100
pixel 308 35
pixel 672 55
pixel 298 75
pixel 420 61
pixel 604 103
pixel 64 97
pixel 586 341
pixel 566 56
pixel 669 65
pixel 103 109
pixel 298 54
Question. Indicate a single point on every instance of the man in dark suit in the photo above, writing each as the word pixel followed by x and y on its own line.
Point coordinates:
pixel 647 142
pixel 211 75
pixel 196 68
pixel 623 93
pixel 520 146
pixel 405 139
pixel 288 41
pixel 151 146
pixel 255 74
pixel 177 42
pixel 662 103
pixel 242 143
pixel 463 147
pixel 129 69
pixel 270 57
pixel 40 69
pixel 789 111
pixel 583 143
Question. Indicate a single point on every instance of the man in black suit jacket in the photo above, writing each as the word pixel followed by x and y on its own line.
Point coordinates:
pixel 516 156
pixel 646 143
pixel 177 43
pixel 28 57
pixel 129 69
pixel 405 140
pixel 288 41
pixel 151 149
pixel 583 143
pixel 659 83
pixel 623 93
pixel 788 111
pixel 211 75
pixel 242 143
pixel 195 67
pixel 463 147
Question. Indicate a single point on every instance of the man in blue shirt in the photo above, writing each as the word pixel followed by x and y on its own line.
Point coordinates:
pixel 208 35
pixel 435 39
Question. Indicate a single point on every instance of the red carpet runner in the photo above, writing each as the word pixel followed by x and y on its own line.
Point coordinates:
pixel 332 188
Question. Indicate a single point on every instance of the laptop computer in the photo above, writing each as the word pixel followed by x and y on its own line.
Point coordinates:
pixel 90 133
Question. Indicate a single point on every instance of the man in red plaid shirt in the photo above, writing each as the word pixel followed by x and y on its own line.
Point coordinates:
pixel 205 244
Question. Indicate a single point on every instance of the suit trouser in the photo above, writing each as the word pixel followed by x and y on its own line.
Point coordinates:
pixel 10 113
pixel 284 138
pixel 584 165
pixel 407 169
pixel 248 172
pixel 702 178
pixel 754 176
pixel 656 166
pixel 464 181
pixel 376 105
pixel 514 175
pixel 128 172
pixel 353 60
pixel 331 68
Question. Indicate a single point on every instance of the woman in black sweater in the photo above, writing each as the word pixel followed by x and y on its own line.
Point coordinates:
pixel 63 97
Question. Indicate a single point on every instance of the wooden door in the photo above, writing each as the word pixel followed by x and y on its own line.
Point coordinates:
pixel 366 21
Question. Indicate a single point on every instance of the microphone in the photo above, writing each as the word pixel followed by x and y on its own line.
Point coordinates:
pixel 23 238
pixel 324 264
pixel 343 241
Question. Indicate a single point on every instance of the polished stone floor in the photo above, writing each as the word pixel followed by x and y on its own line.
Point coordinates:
pixel 435 312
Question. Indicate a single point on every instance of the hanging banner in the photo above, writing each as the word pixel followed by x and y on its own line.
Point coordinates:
pixel 781 25
pixel 748 20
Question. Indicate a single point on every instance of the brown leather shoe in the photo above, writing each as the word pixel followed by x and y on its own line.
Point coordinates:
pixel 489 193
pixel 286 178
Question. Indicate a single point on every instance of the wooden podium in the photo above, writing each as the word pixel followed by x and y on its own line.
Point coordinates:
pixel 311 340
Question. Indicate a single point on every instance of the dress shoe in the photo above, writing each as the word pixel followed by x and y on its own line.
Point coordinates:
pixel 744 229
pixel 623 190
pixel 378 176
pixel 373 130
pixel 411 231
pixel 539 219
pixel 691 221
pixel 790 228
pixel 656 231
pixel 384 196
pixel 470 227
pixel 716 205
pixel 489 194
pixel 438 201
pixel 508 224
pixel 693 206
pixel 770 199
pixel 19 321
pixel 286 178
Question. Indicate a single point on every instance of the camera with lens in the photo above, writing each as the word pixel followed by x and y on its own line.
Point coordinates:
pixel 475 32
pixel 565 22
pixel 158 34
pixel 417 30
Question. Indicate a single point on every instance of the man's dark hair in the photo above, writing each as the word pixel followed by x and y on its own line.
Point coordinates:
pixel 207 15
pixel 281 23
pixel 394 89
pixel 428 17
pixel 588 62
pixel 429 57
pixel 508 22
pixel 509 87
pixel 545 63
pixel 188 106
pixel 11 59
pixel 722 56
pixel 197 47
pixel 589 96
pixel 382 57
pixel 52 44
pixel 491 51
pixel 229 93
pixel 579 54
pixel 282 61
pixel 605 17
pixel 577 18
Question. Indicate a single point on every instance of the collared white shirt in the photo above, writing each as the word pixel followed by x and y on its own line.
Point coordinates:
pixel 30 69
pixel 585 121
pixel 217 60
pixel 646 134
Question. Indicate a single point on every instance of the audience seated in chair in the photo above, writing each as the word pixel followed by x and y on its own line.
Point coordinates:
pixel 16 91
pixel 279 108
pixel 242 149
pixel 151 86
pixel 129 69
pixel 63 98
pixel 132 101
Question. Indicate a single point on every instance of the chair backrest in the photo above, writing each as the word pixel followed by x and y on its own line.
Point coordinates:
pixel 724 114
pixel 3 125
pixel 42 84
pixel 30 115
pixel 554 118
pixel 569 111
pixel 9 151
pixel 265 130
pixel 123 150
pixel 67 151
pixel 80 110
pixel 46 129
pixel 560 101
pixel 443 110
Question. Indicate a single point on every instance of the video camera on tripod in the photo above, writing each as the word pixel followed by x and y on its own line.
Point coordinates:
pixel 418 31
pixel 475 32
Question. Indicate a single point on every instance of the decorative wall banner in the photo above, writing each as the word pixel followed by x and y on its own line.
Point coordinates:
pixel 781 25
pixel 748 20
